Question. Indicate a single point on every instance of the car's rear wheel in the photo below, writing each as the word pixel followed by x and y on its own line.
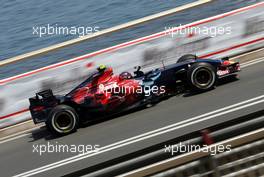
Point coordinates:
pixel 187 57
pixel 201 76
pixel 62 120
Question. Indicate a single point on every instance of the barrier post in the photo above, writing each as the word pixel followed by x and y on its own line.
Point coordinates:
pixel 210 160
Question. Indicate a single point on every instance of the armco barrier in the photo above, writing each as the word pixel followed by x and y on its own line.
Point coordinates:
pixel 156 153
pixel 238 141
pixel 245 24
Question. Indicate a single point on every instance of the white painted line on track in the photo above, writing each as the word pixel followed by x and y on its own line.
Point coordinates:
pixel 249 53
pixel 144 136
pixel 11 138
pixel 17 135
pixel 16 125
pixel 252 62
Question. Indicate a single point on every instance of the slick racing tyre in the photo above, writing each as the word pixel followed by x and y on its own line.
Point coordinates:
pixel 186 57
pixel 62 120
pixel 201 76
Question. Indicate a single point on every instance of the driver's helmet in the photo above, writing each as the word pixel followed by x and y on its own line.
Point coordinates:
pixel 101 68
pixel 125 75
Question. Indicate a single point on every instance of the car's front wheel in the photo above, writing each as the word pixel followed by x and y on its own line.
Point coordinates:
pixel 62 120
pixel 201 76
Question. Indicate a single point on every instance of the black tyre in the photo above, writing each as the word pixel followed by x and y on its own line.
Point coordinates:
pixel 62 120
pixel 186 57
pixel 201 76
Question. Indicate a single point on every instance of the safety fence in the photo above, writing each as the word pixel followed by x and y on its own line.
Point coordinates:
pixel 227 149
pixel 245 160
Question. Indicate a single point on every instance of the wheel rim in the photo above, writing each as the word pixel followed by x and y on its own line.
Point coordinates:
pixel 203 78
pixel 63 122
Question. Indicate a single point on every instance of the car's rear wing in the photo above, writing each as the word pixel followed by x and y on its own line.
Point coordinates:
pixel 45 94
pixel 41 104
pixel 43 97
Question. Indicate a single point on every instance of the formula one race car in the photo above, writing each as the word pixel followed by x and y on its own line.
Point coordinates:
pixel 103 93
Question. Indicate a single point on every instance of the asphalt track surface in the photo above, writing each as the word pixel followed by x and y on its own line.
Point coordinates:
pixel 17 156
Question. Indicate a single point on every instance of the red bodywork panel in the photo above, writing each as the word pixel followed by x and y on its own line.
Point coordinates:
pixel 107 90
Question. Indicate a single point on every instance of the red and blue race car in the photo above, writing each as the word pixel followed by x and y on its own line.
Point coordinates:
pixel 103 94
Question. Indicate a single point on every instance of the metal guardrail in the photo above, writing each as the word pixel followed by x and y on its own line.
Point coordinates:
pixel 196 155
pixel 155 154
pixel 245 160
pixel 103 32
